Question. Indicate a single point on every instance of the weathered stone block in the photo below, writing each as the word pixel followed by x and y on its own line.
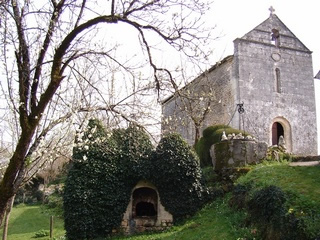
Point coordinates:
pixel 237 153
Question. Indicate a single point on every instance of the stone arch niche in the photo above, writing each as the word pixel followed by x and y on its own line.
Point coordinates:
pixel 281 126
pixel 145 211
pixel 144 203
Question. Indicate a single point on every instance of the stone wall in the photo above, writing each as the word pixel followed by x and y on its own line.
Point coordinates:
pixel 181 110
pixel 237 153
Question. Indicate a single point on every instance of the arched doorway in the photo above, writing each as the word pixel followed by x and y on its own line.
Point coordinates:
pixel 280 126
pixel 277 131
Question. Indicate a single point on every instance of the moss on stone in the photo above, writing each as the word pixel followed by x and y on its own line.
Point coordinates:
pixel 212 135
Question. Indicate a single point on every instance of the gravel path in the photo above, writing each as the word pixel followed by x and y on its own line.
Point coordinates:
pixel 312 163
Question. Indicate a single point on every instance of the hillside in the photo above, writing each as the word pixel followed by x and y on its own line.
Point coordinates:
pixel 216 220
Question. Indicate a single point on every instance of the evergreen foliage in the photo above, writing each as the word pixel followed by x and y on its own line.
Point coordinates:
pixel 212 135
pixel 106 167
pixel 98 187
pixel 268 212
pixel 178 176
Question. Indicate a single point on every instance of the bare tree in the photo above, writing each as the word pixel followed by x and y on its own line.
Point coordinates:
pixel 189 109
pixel 44 43
pixel 198 104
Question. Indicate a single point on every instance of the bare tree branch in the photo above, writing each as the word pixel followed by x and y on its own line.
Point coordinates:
pixel 60 66
pixel 54 18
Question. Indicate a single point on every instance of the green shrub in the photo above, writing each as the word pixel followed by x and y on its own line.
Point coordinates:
pixel 98 186
pixel 267 205
pixel 55 204
pixel 30 192
pixel 268 212
pixel 240 196
pixel 210 176
pixel 278 153
pixel 41 233
pixel 178 176
pixel 207 132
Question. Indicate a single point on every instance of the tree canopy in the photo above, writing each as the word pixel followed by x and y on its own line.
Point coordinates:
pixel 55 66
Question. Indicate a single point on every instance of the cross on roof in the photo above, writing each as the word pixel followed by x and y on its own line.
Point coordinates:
pixel 272 10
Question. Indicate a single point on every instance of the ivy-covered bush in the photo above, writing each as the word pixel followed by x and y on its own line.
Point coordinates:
pixel 106 167
pixel 178 176
pixel 268 212
pixel 98 186
pixel 210 136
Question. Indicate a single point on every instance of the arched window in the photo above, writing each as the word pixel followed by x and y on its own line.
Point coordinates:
pixel 277 81
pixel 275 37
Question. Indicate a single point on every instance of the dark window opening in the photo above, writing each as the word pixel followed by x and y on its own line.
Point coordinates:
pixel 145 209
pixel 275 37
pixel 277 131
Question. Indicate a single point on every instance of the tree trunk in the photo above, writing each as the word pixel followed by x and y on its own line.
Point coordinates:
pixel 197 135
pixel 15 171
pixel 6 220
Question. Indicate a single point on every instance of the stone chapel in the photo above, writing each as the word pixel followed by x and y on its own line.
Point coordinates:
pixel 265 88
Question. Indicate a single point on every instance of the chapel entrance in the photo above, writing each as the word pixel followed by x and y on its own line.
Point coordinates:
pixel 277 131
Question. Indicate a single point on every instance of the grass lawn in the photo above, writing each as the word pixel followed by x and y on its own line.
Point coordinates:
pixel 214 222
pixel 26 220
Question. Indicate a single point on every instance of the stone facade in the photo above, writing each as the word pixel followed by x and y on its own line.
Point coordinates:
pixel 145 211
pixel 213 89
pixel 271 74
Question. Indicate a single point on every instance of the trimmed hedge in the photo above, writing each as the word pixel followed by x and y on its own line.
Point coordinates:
pixel 105 170
pixel 178 176
pixel 212 135
pixel 99 184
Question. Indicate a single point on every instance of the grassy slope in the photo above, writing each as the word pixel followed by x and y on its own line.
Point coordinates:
pixel 302 182
pixel 25 221
pixel 302 185
pixel 215 221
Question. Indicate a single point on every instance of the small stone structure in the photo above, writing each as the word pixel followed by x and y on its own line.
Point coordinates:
pixel 237 152
pixel 145 211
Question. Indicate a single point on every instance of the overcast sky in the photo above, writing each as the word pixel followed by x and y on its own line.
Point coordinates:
pixel 234 18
